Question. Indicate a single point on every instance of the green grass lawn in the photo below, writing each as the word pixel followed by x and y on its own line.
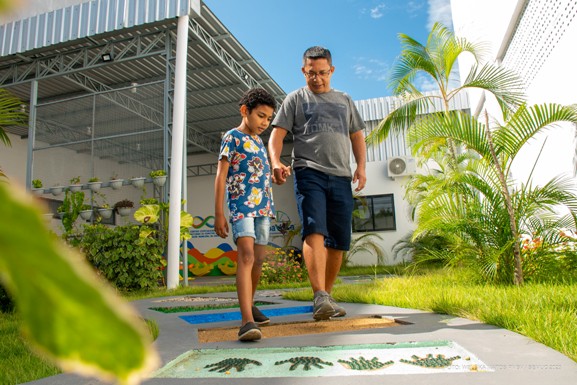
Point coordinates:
pixel 547 313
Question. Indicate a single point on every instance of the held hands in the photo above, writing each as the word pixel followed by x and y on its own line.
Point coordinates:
pixel 280 173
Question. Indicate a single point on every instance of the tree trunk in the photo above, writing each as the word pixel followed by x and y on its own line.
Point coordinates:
pixel 518 278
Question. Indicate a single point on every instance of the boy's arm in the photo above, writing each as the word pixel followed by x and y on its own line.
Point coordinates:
pixel 275 144
pixel 220 222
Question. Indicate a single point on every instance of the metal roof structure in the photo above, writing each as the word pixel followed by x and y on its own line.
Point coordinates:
pixel 104 71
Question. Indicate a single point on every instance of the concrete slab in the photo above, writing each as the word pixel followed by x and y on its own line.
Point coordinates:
pixel 502 357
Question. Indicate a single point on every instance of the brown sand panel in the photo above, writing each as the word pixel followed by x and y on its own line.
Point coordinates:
pixel 300 328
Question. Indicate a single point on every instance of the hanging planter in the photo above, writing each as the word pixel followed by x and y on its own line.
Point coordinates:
pixel 138 182
pixel 57 190
pixel 116 183
pixel 94 184
pixel 124 211
pixel 124 207
pixel 86 214
pixel 105 212
pixel 159 180
pixel 75 187
pixel 158 177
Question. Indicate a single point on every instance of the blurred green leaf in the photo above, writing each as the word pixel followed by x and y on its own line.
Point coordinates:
pixel 68 314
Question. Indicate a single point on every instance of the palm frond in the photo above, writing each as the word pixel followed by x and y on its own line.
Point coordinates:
pixel 504 84
pixel 11 114
pixel 526 122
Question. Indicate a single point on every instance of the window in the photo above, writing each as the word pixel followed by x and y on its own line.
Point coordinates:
pixel 374 213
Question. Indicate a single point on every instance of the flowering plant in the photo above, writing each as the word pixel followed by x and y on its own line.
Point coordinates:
pixel 282 266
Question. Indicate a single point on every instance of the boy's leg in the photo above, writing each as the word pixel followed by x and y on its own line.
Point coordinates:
pixel 259 257
pixel 244 285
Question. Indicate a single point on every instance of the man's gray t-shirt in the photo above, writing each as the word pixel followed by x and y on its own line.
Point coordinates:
pixel 321 125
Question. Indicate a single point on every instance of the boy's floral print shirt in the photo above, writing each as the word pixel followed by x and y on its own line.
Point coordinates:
pixel 249 180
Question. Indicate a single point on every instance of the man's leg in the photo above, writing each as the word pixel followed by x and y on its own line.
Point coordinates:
pixel 333 266
pixel 315 256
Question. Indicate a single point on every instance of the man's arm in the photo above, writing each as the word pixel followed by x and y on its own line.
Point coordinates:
pixel 275 145
pixel 360 154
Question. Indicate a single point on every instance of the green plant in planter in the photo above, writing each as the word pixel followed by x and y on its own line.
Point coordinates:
pixel 70 209
pixel 157 173
pixel 37 183
pixel 75 180
pixel 123 203
pixel 149 201
pixel 94 179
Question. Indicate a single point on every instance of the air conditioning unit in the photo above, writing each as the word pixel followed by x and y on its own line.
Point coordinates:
pixel 401 166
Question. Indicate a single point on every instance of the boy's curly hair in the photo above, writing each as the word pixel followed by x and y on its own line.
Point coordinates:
pixel 256 97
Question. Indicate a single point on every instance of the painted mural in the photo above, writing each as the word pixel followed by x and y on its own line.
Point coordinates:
pixel 220 257
pixel 220 260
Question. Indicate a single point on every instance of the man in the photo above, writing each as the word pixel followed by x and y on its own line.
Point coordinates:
pixel 325 125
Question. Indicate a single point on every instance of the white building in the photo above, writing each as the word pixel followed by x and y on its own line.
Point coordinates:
pixel 537 39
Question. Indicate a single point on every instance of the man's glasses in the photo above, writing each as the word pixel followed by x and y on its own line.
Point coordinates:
pixel 322 74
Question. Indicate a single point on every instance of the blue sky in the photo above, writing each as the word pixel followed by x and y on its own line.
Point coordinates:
pixel 361 34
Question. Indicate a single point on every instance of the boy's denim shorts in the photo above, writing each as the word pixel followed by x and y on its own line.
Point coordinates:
pixel 258 228
pixel 325 205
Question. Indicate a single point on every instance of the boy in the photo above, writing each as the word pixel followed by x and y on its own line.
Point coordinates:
pixel 244 171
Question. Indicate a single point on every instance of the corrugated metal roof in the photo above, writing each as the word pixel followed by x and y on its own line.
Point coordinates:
pixel 84 20
pixel 125 97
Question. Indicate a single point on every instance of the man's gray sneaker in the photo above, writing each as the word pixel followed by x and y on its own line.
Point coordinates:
pixel 322 307
pixel 339 310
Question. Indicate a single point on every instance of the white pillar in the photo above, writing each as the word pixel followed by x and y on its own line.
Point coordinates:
pixel 177 153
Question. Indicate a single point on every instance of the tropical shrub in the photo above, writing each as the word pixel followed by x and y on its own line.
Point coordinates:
pixel 122 256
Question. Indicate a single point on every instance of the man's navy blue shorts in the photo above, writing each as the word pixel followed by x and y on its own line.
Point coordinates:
pixel 325 205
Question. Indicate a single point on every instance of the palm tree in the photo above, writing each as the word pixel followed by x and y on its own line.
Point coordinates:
pixel 437 61
pixel 496 209
pixel 11 114
pixel 471 194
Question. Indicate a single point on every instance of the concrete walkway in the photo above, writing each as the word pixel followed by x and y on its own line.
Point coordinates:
pixel 489 355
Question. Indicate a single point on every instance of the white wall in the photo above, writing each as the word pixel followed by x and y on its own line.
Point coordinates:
pixel 57 166
pixel 554 80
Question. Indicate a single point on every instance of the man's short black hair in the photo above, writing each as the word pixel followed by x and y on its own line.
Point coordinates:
pixel 318 52
pixel 256 97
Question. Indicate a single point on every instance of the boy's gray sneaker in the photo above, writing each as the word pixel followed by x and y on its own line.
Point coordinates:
pixel 339 310
pixel 259 317
pixel 322 307
pixel 249 332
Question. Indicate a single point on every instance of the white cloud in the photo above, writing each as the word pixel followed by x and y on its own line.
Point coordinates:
pixel 414 7
pixel 370 69
pixel 377 12
pixel 440 11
